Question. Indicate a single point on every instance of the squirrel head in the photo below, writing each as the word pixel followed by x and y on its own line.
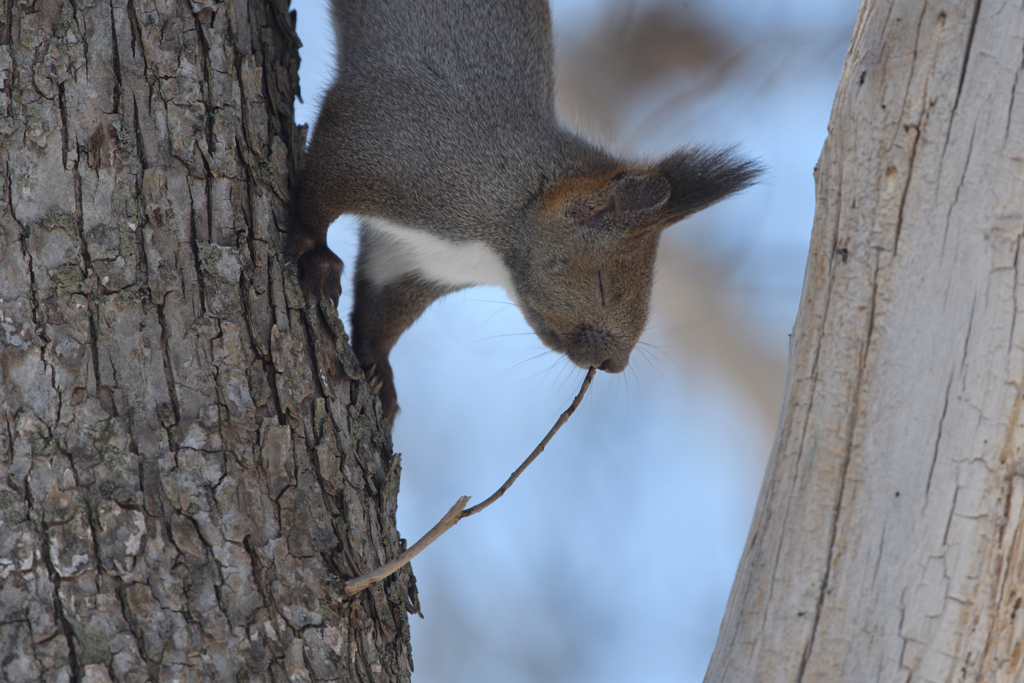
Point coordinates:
pixel 584 280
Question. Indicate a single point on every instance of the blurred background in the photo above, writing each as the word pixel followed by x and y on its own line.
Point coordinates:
pixel 611 559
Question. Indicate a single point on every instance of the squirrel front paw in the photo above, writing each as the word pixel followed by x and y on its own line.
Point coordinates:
pixel 320 268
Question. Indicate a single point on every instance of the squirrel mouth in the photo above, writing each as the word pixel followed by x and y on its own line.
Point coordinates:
pixel 609 362
pixel 552 340
pixel 585 347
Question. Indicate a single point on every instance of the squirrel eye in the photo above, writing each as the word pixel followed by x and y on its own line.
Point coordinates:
pixel 606 291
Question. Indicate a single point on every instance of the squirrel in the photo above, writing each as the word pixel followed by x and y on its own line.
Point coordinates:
pixel 439 132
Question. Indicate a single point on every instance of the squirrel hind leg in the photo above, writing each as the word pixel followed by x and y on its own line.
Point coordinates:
pixel 380 314
pixel 382 382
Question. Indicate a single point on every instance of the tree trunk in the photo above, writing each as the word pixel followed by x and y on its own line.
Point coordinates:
pixel 887 544
pixel 189 459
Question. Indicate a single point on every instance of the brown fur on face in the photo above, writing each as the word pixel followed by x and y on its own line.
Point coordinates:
pixel 593 247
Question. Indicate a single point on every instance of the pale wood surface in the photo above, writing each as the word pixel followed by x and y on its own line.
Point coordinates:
pixel 887 544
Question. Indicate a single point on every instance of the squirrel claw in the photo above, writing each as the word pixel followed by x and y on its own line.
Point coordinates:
pixel 380 383
pixel 373 379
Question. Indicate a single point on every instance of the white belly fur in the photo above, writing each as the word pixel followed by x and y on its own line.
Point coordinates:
pixel 435 259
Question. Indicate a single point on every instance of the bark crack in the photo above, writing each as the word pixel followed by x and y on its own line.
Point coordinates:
pixel 910 80
pixel 1013 320
pixel 952 513
pixel 259 577
pixel 881 549
pixel 967 58
pixel 87 268
pixel 33 286
pixel 115 62
pixel 136 37
pixel 165 347
pixel 268 363
pixel 821 335
pixel 6 180
pixel 906 187
pixel 1013 101
pixel 967 337
pixel 956 194
pixel 67 630
pixel 139 142
pixel 5 27
pixel 64 135
pixel 938 436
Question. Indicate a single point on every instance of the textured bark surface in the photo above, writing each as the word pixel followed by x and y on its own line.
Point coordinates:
pixel 189 460
pixel 887 543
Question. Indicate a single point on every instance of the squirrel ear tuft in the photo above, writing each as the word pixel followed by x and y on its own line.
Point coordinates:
pixel 702 176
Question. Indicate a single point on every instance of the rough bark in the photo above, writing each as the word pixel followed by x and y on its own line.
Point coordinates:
pixel 887 544
pixel 189 460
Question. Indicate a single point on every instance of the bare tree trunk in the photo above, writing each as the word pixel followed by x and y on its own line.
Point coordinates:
pixel 189 460
pixel 887 543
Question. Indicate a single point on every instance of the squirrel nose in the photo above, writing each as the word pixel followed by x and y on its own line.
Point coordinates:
pixel 598 347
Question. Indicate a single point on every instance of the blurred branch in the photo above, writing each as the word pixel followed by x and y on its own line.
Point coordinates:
pixel 601 74
pixel 684 294
pixel 675 51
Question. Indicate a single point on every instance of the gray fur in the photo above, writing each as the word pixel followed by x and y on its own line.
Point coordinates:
pixel 441 119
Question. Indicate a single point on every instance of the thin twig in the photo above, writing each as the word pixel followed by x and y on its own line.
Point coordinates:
pixel 458 510
pixel 450 519
pixel 562 419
